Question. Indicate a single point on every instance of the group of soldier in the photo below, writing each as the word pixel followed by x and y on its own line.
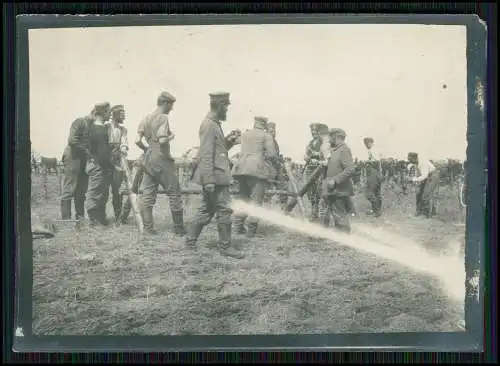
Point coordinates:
pixel 95 163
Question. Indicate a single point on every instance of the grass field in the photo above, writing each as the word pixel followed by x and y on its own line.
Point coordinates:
pixel 105 282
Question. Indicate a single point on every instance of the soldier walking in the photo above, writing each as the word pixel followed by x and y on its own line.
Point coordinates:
pixel 74 160
pixel 213 174
pixel 99 167
pixel 428 180
pixel 119 148
pixel 338 186
pixel 159 166
pixel 281 177
pixel 373 168
pixel 253 170
pixel 313 158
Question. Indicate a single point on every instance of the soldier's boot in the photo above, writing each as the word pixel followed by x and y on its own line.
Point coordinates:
pixel 314 212
pixel 66 209
pixel 225 242
pixel 239 225
pixel 252 229
pixel 93 215
pixel 193 233
pixel 178 219
pixel 147 219
pixel 79 209
pixel 117 208
pixel 101 216
pixel 125 210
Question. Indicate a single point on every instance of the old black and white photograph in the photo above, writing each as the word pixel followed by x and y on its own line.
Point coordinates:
pixel 258 179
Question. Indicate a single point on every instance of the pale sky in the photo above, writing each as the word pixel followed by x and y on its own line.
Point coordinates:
pixel 383 81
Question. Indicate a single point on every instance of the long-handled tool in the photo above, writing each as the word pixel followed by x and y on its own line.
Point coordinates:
pixel 132 196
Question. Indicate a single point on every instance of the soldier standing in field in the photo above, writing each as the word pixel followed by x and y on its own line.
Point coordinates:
pixel 313 158
pixel 74 161
pixel 212 172
pixel 428 180
pixel 99 167
pixel 338 186
pixel 281 177
pixel 159 166
pixel 373 187
pixel 253 170
pixel 119 148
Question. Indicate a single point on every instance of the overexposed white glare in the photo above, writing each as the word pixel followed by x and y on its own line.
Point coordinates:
pixel 404 85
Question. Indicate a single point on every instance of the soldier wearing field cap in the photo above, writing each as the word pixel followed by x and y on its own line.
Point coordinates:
pixel 119 148
pixel 338 186
pixel 313 157
pixel 99 167
pixel 427 178
pixel 373 177
pixel 254 169
pixel 212 172
pixel 74 159
pixel 281 176
pixel 159 165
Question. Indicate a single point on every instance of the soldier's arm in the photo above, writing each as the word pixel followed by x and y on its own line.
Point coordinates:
pixel 124 141
pixel 348 167
pixel 139 137
pixel 270 149
pixel 75 136
pixel 207 153
pixel 164 134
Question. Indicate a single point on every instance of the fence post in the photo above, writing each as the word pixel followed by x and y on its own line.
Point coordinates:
pixel 46 193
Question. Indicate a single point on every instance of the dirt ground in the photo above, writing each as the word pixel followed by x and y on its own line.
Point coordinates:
pixel 105 282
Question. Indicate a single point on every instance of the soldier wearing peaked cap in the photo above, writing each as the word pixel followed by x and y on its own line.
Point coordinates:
pixel 74 159
pixel 212 172
pixel 99 166
pixel 337 186
pixel 254 169
pixel 159 165
pixel 313 157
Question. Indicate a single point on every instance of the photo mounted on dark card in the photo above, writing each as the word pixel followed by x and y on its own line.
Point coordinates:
pixel 258 182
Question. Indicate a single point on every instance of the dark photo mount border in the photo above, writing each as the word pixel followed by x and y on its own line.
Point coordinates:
pixel 469 341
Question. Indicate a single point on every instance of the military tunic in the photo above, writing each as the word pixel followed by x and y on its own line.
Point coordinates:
pixel 374 181
pixel 213 167
pixel 253 170
pixel 99 169
pixel 340 168
pixel 159 166
pixel 74 161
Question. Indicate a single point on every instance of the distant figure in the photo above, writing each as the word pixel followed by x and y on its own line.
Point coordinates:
pixel 428 180
pixel 373 178
pixel 159 166
pixel 338 186
pixel 74 160
pixel 99 167
pixel 253 171
pixel 213 174
pixel 119 148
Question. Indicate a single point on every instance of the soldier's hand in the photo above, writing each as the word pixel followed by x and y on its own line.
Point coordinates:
pixel 330 184
pixel 324 162
pixel 210 188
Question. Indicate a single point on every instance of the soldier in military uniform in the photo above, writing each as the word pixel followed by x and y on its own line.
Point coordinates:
pixel 337 186
pixel 373 168
pixel 159 166
pixel 253 170
pixel 74 161
pixel 119 148
pixel 428 181
pixel 212 172
pixel 313 157
pixel 99 167
pixel 281 177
